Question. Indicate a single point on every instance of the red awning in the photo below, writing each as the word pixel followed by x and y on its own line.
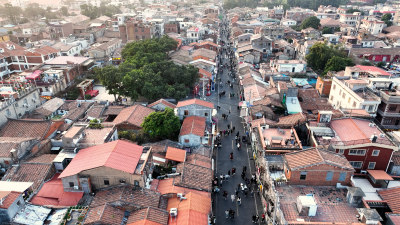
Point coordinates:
pixel 92 93
pixel 34 75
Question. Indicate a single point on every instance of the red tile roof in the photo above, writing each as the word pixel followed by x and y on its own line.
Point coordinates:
pixel 193 176
pixel 148 216
pixel 373 70
pixel 192 210
pixel 395 218
pixel 167 186
pixel 104 214
pixel 163 102
pixel 175 154
pixel 291 120
pixel 120 155
pixel 379 175
pixel 52 194
pixel 26 128
pixel 193 125
pixel 134 115
pixel 200 160
pixel 195 101
pixel 45 158
pixel 391 196
pixel 310 157
pixel 8 198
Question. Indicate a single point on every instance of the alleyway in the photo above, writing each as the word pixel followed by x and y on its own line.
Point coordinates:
pixel 250 202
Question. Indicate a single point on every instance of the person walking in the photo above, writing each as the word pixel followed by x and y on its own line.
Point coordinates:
pixel 232 214
pixel 244 169
pixel 227 213
pixel 253 218
pixel 233 171
pixel 256 220
pixel 232 197
pixel 225 194
pixel 239 200
pixel 263 218
pixel 231 155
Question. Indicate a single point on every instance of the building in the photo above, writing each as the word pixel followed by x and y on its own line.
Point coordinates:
pixel 323 86
pixel 161 105
pixel 11 203
pixel 372 25
pixel 317 167
pixel 277 140
pixel 289 66
pixel 299 14
pixel 273 31
pixel 389 109
pixel 193 132
pixel 135 31
pixel 105 51
pixel 106 165
pixel 131 118
pixel 350 19
pixel 376 54
pixel 195 107
pixel 353 94
pixel 364 145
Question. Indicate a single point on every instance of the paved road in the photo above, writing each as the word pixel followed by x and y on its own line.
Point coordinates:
pixel 251 203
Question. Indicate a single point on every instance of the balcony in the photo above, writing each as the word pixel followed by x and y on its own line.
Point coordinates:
pixel 390 96
pixel 382 141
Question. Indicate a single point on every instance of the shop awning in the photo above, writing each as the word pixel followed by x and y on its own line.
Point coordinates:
pixel 34 75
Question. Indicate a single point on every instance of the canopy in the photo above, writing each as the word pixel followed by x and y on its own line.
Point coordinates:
pixel 34 75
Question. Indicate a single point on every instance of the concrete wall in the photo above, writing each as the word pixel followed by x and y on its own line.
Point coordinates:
pixel 316 176
pixel 195 110
pixel 194 140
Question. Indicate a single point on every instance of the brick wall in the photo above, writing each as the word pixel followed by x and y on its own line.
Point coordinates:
pixel 316 176
pixel 170 28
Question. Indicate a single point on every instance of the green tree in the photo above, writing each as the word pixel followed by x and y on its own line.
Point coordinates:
pixel 337 63
pixel 111 78
pixel 162 125
pixel 64 11
pixel 13 13
pixel 312 21
pixel 387 19
pixel 327 30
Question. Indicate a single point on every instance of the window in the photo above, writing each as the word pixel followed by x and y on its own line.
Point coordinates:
pixel 136 183
pixel 106 182
pixel 340 92
pixel 186 140
pixel 357 152
pixel 303 175
pixel 392 107
pixel 375 152
pixel 354 104
pixel 341 151
pixel 332 98
pixel 71 184
pixel 342 176
pixel 334 86
pixel 371 108
pixel 329 176
pixel 371 165
pixel 186 112
pixel 356 164
pixel 344 96
pixel 205 114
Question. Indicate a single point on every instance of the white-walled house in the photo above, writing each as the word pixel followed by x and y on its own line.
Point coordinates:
pixel 195 107
pixel 192 132
pixel 291 66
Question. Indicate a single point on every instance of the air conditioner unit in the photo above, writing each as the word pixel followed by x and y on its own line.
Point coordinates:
pixel 179 195
pixel 382 135
pixel 363 172
pixel 76 187
pixel 173 212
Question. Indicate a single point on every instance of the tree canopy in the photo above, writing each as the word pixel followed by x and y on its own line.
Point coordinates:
pixel 147 72
pixel 104 10
pixel 323 58
pixel 387 19
pixel 312 21
pixel 162 125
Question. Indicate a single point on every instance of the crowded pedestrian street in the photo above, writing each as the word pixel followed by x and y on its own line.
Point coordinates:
pixel 236 197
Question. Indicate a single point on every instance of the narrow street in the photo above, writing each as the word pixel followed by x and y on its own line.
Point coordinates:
pixel 250 201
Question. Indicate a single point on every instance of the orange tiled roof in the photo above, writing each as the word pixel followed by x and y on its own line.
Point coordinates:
pixel 193 210
pixel 204 73
pixel 310 157
pixel 167 186
pixel 175 154
pixel 26 128
pixel 164 102
pixel 391 196
pixel 120 155
pixel 104 214
pixel 379 175
pixel 9 198
pixel 198 159
pixel 148 216
pixel 134 115
pixel 195 101
pixel 193 176
pixel 193 125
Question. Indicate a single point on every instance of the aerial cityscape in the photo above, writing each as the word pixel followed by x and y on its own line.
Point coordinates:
pixel 209 112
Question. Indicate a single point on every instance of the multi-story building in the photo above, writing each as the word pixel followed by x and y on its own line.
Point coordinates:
pixel 60 30
pixel 389 110
pixel 364 145
pixel 134 30
pixel 291 66
pixel 299 14
pixel 273 31
pixel 350 19
pixel 353 94
pixel 372 25
pixel 15 58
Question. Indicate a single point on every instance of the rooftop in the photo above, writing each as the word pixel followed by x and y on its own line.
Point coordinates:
pixel 65 60
pixel 148 215
pixel 193 176
pixel 192 210
pixel 31 214
pixel 331 204
pixel 26 128
pixel 195 101
pixel 279 139
pixel 391 196
pixel 176 154
pixel 104 214
pixel 134 115
pixel 193 125
pixel 120 155
pixel 164 102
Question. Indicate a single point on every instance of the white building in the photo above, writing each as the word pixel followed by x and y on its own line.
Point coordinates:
pixel 291 66
pixel 350 19
pixel 288 22
pixel 353 94
pixel 372 25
